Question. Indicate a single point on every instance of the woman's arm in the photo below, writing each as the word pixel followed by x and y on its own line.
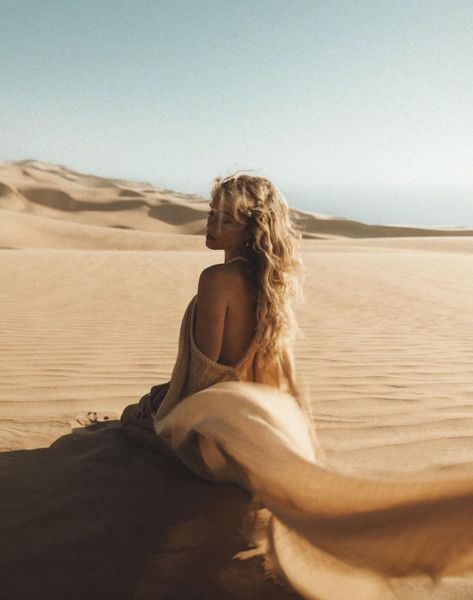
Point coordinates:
pixel 212 303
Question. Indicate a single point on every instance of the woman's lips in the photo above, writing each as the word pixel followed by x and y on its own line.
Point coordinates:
pixel 210 236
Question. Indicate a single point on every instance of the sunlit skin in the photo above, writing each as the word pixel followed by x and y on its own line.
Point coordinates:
pixel 225 317
pixel 225 312
pixel 224 232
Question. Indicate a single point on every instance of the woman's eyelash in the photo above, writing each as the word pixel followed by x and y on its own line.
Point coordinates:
pixel 226 219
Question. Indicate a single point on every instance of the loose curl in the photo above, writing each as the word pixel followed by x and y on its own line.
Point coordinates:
pixel 276 268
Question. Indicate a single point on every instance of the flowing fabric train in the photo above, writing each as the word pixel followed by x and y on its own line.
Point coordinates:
pixel 329 532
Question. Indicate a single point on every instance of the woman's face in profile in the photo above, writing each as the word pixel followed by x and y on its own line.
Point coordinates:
pixel 223 230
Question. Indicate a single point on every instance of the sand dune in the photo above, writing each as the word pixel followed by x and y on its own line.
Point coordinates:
pixel 60 193
pixel 90 321
pixel 25 231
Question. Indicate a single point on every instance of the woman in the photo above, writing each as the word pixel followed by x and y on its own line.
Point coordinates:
pixel 232 413
pixel 243 322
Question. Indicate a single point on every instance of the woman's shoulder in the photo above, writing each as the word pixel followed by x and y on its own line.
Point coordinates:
pixel 216 284
pixel 231 281
pixel 214 275
pixel 228 274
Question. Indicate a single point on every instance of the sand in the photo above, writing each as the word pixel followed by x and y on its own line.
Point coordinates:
pixel 96 275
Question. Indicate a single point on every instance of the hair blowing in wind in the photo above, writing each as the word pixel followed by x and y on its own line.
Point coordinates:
pixel 277 268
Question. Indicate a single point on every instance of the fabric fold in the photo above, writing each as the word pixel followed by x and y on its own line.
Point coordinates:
pixel 328 530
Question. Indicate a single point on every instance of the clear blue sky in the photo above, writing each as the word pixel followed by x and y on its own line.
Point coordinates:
pixel 356 108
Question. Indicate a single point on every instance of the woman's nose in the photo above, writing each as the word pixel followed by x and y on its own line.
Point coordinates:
pixel 213 221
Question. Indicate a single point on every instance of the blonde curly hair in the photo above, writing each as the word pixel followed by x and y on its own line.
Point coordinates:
pixel 276 267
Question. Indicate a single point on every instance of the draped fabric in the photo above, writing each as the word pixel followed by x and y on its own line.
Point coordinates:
pixel 194 371
pixel 329 536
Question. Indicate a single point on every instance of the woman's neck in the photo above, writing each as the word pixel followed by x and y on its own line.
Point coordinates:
pixel 231 254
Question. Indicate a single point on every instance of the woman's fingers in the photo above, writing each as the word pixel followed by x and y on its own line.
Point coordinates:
pixel 143 405
pixel 151 401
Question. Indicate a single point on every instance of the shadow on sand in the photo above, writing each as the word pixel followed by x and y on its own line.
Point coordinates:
pixel 96 517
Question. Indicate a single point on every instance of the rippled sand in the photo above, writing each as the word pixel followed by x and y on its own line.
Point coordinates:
pixel 90 317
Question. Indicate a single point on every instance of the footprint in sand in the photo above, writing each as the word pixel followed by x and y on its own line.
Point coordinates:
pixel 92 417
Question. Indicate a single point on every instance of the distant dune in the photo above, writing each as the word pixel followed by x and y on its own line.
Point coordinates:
pixel 45 205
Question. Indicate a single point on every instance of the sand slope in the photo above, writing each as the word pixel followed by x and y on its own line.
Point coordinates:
pixel 121 211
pixel 90 321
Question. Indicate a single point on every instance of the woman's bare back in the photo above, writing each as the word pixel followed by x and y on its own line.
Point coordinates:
pixel 240 318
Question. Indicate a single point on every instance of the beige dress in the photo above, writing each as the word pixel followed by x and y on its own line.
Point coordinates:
pixel 331 536
pixel 194 371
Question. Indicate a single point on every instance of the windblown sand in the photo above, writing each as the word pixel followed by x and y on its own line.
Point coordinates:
pixel 96 275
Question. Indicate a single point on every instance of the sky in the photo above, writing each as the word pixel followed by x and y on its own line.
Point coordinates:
pixel 360 109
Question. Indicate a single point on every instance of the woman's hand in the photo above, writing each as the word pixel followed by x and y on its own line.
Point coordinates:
pixel 151 401
pixel 144 407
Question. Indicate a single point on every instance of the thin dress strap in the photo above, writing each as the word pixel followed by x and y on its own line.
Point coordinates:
pixel 236 258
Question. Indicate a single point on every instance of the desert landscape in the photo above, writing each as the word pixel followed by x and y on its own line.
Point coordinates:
pixel 96 274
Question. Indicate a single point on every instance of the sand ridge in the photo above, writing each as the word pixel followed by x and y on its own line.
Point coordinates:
pixel 64 196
